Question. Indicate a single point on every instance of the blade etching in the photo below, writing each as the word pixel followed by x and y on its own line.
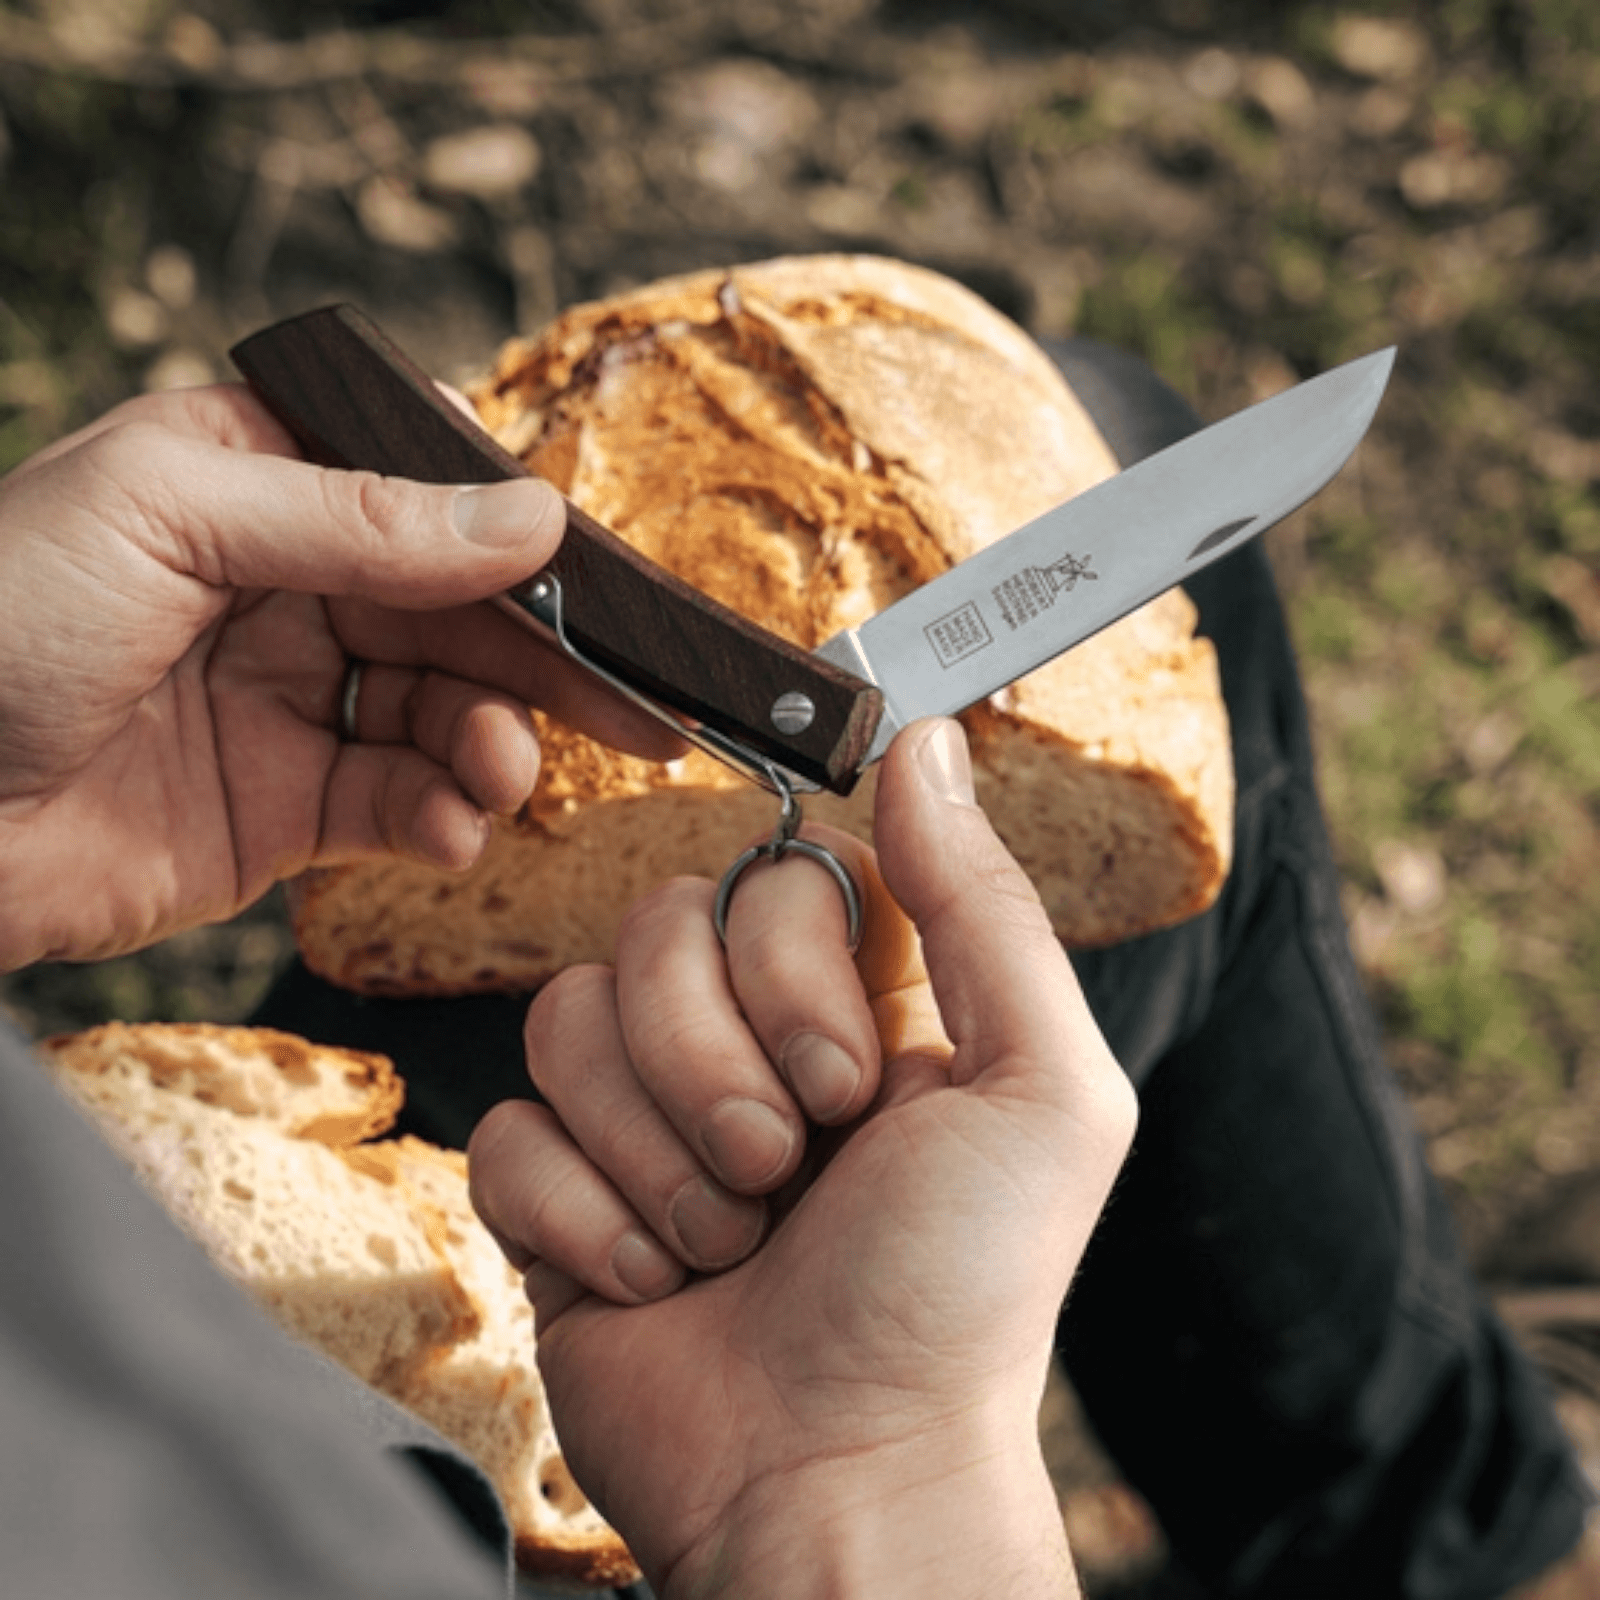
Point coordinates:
pixel 958 634
pixel 1022 596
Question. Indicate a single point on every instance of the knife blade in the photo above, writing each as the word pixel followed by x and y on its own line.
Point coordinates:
pixel 353 399
pixel 1076 569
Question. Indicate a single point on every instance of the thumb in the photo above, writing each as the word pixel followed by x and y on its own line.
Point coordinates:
pixel 246 520
pixel 1008 996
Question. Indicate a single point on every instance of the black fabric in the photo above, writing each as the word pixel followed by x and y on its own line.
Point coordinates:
pixel 1275 1330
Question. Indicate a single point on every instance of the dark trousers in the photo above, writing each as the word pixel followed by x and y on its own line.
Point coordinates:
pixel 1274 1331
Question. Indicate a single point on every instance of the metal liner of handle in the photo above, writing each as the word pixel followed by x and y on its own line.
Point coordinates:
pixel 540 600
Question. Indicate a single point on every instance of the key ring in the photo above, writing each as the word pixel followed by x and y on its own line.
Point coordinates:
pixel 782 843
pixel 540 600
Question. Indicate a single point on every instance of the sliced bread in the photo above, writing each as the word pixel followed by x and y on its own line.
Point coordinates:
pixel 261 1147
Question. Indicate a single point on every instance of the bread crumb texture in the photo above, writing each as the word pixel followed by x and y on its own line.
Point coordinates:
pixel 264 1149
pixel 807 440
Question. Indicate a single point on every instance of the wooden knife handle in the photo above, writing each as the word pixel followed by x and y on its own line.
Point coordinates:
pixel 353 399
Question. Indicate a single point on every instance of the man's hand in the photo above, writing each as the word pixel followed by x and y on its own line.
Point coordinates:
pixel 180 600
pixel 786 1364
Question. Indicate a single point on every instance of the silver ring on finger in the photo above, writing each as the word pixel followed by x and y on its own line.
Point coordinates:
pixel 775 850
pixel 349 702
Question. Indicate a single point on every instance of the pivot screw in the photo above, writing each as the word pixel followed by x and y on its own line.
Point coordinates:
pixel 792 713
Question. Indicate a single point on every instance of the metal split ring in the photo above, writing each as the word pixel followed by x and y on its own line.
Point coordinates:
pixel 349 698
pixel 775 850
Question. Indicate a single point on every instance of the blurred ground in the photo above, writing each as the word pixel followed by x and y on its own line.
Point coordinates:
pixel 1245 192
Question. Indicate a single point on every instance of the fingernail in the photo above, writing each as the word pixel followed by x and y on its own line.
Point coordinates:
pixel 505 515
pixel 715 1227
pixel 820 1073
pixel 945 763
pixel 748 1142
pixel 644 1268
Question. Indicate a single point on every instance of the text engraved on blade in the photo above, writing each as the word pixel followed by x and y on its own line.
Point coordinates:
pixel 1025 594
pixel 958 634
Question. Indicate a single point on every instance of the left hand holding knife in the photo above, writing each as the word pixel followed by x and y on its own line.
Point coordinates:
pixel 860 1381
pixel 181 600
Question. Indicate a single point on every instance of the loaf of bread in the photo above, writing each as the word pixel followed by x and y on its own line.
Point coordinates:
pixel 807 440
pixel 261 1147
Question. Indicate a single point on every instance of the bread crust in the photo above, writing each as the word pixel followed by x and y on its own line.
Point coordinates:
pixel 807 440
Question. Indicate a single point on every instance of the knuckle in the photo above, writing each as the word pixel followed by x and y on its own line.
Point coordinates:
pixel 770 960
pixel 561 1016
pixel 126 446
pixel 367 503
pixel 684 1027
pixel 495 1151
pixel 619 1141
pixel 1112 1104
pixel 1122 1115
pixel 663 906
pixel 514 1195
pixel 131 473
pixel 572 997
pixel 126 460
pixel 397 803
pixel 488 1138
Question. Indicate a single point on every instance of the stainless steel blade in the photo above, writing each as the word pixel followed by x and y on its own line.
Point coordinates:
pixel 1078 568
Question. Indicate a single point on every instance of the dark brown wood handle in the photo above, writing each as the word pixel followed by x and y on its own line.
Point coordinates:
pixel 353 399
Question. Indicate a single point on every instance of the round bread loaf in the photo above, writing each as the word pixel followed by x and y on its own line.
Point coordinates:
pixel 807 439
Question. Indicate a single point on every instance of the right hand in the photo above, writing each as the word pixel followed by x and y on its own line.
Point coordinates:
pixel 857 1392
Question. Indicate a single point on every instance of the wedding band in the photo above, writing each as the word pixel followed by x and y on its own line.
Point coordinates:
pixel 775 851
pixel 349 696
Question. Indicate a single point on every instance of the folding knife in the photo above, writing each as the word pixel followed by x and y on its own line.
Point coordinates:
pixel 352 399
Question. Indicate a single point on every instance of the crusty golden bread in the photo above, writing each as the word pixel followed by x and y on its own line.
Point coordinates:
pixel 807 439
pixel 257 1143
pixel 485 1393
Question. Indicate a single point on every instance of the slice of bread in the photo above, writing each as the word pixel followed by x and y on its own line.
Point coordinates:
pixel 807 440
pixel 242 1136
pixel 256 1143
pixel 485 1393
pixel 337 1097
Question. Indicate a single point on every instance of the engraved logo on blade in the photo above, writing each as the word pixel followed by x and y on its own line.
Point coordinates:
pixel 1024 595
pixel 957 635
